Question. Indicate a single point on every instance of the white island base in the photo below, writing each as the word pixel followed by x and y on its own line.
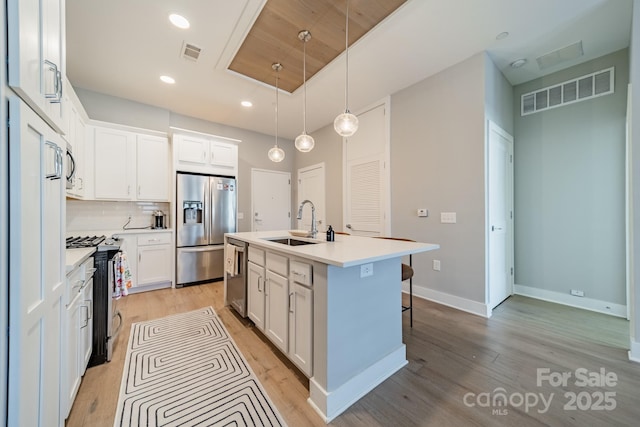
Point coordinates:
pixel 357 311
pixel 357 333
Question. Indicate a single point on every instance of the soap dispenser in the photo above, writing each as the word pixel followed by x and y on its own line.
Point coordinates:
pixel 330 234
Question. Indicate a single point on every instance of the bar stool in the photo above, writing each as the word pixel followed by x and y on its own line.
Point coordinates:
pixel 407 274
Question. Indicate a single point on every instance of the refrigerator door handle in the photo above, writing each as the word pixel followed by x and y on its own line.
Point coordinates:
pixel 202 248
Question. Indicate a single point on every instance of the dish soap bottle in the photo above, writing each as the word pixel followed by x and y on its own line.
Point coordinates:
pixel 330 234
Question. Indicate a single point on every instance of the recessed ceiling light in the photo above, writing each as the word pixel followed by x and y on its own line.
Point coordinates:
pixel 502 35
pixel 167 79
pixel 246 104
pixel 518 63
pixel 179 21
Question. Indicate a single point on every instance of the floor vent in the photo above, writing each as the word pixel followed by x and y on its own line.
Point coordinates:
pixel 586 87
pixel 190 52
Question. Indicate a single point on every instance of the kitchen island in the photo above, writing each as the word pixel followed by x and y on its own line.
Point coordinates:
pixel 352 290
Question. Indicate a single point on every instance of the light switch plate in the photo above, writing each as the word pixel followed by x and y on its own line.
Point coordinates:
pixel 448 217
pixel 436 264
pixel 240 215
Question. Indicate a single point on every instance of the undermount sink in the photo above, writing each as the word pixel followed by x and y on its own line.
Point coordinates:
pixel 292 242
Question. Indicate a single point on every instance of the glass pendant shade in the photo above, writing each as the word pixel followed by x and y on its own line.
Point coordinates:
pixel 305 143
pixel 276 154
pixel 346 124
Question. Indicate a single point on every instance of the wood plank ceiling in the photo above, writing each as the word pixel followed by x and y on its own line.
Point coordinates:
pixel 274 36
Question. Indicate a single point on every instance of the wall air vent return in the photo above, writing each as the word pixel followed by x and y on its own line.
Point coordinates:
pixel 190 52
pixel 576 90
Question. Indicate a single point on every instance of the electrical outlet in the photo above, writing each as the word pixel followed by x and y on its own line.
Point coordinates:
pixel 423 212
pixel 436 264
pixel 577 293
pixel 366 270
pixel 240 215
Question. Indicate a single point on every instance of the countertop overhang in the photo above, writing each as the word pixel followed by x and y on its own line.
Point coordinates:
pixel 345 251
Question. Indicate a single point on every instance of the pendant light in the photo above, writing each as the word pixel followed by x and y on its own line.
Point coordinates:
pixel 276 154
pixel 304 142
pixel 346 124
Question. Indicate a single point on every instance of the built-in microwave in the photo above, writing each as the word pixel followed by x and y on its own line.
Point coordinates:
pixel 70 167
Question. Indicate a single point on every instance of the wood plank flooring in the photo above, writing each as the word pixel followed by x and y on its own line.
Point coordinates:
pixel 458 364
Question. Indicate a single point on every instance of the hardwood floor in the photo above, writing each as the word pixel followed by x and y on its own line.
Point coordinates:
pixel 458 364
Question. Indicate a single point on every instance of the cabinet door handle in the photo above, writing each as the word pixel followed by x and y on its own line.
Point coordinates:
pixel 140 257
pixel 290 303
pixel 55 96
pixel 86 320
pixel 138 190
pixel 128 190
pixel 265 287
pixel 259 278
pixel 90 309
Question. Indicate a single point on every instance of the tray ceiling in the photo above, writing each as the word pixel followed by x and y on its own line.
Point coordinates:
pixel 274 36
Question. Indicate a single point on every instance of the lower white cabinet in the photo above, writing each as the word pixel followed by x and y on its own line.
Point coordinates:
pixel 77 332
pixel 150 257
pixel 301 327
pixel 277 310
pixel 280 303
pixel 255 294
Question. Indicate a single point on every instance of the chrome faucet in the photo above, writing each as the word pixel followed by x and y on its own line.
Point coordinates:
pixel 314 228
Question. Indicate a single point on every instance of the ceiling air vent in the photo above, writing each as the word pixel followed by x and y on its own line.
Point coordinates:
pixel 190 51
pixel 576 90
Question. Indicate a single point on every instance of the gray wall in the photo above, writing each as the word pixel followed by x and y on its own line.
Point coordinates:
pixel 635 178
pixel 437 162
pixel 498 97
pixel 569 189
pixel 252 151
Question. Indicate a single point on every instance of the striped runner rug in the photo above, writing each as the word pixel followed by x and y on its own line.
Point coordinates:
pixel 185 370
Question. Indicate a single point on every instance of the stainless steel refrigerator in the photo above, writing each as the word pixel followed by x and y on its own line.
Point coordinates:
pixel 205 210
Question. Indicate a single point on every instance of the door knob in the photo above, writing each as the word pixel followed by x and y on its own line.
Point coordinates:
pixel 494 228
pixel 348 226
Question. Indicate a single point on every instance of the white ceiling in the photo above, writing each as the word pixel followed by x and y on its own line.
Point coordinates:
pixel 121 47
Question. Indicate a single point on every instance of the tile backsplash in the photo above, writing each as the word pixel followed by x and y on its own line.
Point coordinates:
pixel 88 215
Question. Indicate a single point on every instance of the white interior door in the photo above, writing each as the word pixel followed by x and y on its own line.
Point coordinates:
pixel 311 186
pixel 366 186
pixel 500 194
pixel 270 200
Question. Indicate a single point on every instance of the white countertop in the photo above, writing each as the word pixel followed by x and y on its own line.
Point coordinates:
pixel 75 257
pixel 345 251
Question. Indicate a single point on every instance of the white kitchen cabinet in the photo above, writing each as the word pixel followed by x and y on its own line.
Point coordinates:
pixel 86 326
pixel 36 267
pixel 301 316
pixel 152 170
pixel 77 332
pixel 114 164
pixel 205 154
pixel 130 166
pixel 76 136
pixel 36 60
pixel 154 258
pixel 150 257
pixel 276 323
pixel 255 294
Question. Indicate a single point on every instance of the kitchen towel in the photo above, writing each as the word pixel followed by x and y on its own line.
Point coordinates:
pixel 231 266
pixel 122 276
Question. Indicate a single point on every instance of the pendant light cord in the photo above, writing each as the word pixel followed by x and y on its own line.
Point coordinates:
pixel 304 83
pixel 277 71
pixel 346 50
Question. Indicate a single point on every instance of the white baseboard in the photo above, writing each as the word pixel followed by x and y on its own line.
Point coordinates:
pixel 634 352
pixel 591 304
pixel 331 404
pixel 473 307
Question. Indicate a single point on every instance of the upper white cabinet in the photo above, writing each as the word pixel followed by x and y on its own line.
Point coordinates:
pixel 205 154
pixel 36 60
pixel 114 164
pixel 130 166
pixel 76 136
pixel 152 172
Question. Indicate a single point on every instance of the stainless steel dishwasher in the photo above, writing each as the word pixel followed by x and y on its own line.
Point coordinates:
pixel 236 295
